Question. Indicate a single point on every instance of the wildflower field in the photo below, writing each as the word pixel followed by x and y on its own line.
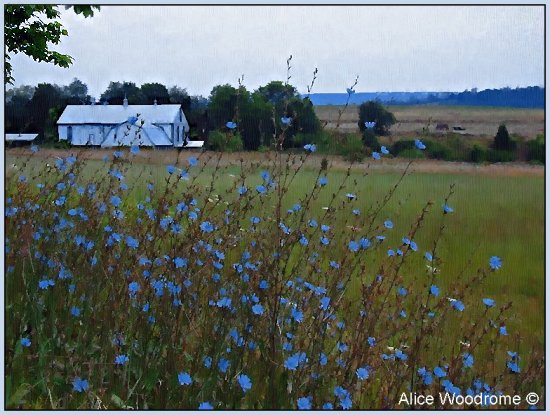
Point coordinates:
pixel 267 285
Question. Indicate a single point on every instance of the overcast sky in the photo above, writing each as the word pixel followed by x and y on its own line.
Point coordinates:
pixel 391 48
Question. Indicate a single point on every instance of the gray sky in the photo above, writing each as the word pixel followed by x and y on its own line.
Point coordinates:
pixel 410 48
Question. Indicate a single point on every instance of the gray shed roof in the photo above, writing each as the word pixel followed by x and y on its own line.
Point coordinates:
pixel 116 114
pixel 21 137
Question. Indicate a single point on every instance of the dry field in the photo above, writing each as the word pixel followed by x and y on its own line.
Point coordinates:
pixel 477 121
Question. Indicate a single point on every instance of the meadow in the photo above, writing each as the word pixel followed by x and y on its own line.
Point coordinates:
pixel 213 281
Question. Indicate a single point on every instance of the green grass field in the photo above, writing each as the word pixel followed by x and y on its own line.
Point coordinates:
pixel 494 215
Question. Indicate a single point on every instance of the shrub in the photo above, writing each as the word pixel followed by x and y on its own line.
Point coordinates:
pixel 438 150
pixel 327 142
pixel 370 140
pixel 450 149
pixel 536 149
pixel 352 148
pixel 402 145
pixel 412 153
pixel 229 142
pixel 63 144
pixel 500 156
pixel 478 154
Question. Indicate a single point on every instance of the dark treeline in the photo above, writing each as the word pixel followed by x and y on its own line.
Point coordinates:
pixel 257 114
pixel 528 97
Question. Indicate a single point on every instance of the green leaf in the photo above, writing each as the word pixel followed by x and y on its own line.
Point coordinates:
pixel 17 397
pixel 118 402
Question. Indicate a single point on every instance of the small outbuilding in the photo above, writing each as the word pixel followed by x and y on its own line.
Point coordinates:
pixel 124 125
pixel 23 138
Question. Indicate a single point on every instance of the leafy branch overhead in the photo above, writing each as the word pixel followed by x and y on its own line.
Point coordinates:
pixel 29 29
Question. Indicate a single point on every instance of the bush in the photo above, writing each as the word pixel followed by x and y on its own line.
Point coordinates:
pixel 327 142
pixel 370 140
pixel 229 142
pixel 536 149
pixel 401 145
pixel 438 150
pixel 449 149
pixel 478 154
pixel 412 153
pixel 63 144
pixel 500 156
pixel 352 148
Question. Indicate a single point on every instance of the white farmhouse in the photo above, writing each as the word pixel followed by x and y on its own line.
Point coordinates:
pixel 124 125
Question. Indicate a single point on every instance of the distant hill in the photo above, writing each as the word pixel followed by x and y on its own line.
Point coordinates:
pixel 529 97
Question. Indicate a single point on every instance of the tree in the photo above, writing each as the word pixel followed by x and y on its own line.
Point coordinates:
pixel 76 92
pixel 277 92
pixel 24 92
pixel 29 29
pixel 286 101
pixel 180 96
pixel 117 91
pixel 155 91
pixel 47 97
pixel 502 140
pixel 256 124
pixel 372 111
pixel 197 117
pixel 258 114
pixel 221 106
pixel 17 114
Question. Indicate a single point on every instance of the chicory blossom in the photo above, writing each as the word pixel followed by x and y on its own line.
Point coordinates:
pixel 121 359
pixel 495 262
pixel 447 209
pixel 80 385
pixel 304 403
pixel 362 373
pixel 184 378
pixel 244 382
pixel 206 406
pixel 419 144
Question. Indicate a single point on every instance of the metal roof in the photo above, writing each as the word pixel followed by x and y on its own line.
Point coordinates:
pixel 116 114
pixel 194 144
pixel 21 137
